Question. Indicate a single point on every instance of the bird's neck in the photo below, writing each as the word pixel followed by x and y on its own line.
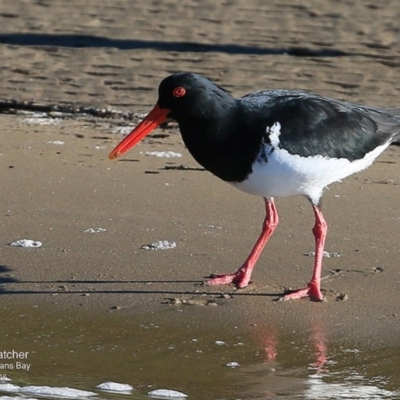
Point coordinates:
pixel 220 141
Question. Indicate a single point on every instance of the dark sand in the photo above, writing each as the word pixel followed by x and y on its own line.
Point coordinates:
pixel 54 192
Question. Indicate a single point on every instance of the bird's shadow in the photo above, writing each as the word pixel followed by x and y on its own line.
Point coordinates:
pixel 65 290
pixel 7 278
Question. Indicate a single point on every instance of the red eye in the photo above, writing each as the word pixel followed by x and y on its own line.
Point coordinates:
pixel 179 91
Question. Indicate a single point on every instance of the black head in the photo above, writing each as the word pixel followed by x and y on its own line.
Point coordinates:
pixel 200 106
pixel 187 94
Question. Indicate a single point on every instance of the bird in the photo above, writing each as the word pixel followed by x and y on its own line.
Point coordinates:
pixel 271 143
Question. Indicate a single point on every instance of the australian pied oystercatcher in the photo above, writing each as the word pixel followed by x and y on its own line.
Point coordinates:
pixel 271 143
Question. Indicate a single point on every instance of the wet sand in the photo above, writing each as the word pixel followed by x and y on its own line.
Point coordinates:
pixel 57 182
pixel 55 193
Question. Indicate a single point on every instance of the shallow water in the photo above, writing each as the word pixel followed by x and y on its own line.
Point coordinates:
pixel 175 350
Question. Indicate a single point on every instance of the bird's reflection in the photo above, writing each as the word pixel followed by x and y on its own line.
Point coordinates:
pixel 300 366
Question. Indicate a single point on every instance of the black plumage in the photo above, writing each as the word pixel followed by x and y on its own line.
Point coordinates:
pixel 225 134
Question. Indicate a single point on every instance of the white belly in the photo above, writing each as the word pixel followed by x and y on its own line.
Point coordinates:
pixel 284 174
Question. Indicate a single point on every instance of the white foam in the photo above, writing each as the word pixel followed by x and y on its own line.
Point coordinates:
pixel 9 387
pixel 26 243
pixel 318 389
pixel 160 245
pixel 166 154
pixel 326 254
pixel 45 391
pixel 233 364
pixel 166 394
pixel 94 230
pixel 61 392
pixel 115 387
pixel 57 142
pixel 122 129
pixel 42 121
pixel 125 130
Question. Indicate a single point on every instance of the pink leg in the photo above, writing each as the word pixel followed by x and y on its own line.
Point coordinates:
pixel 313 289
pixel 242 276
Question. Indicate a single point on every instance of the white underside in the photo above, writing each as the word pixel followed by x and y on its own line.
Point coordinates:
pixel 285 174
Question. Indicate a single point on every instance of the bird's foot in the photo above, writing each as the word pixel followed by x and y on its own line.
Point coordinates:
pixel 312 291
pixel 239 278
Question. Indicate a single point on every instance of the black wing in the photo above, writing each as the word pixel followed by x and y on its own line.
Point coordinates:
pixel 313 125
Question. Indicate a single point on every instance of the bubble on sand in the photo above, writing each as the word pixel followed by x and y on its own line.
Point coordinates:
pixel 45 391
pixel 166 154
pixel 62 392
pixel 122 129
pixel 166 394
pixel 159 245
pixel 39 119
pixel 94 230
pixel 333 254
pixel 57 142
pixel 233 364
pixel 9 387
pixel 26 243
pixel 16 398
pixel 115 387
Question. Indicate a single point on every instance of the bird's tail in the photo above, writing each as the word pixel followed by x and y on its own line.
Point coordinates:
pixel 395 113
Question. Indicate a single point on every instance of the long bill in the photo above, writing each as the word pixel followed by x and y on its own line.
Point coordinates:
pixel 153 119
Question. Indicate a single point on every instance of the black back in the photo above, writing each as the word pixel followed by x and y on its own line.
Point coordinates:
pixel 314 125
pixel 225 135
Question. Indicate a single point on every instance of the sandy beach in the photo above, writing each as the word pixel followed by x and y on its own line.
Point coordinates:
pixel 93 216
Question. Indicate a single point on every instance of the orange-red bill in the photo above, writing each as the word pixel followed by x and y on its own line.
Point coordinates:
pixel 153 119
